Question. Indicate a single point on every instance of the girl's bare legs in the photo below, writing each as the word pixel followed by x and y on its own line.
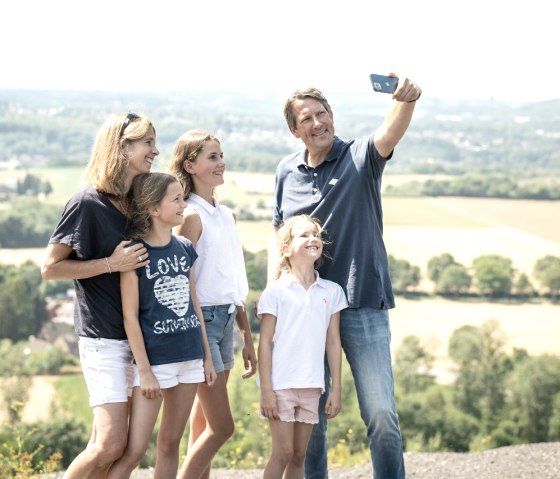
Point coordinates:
pixel 177 405
pixel 289 443
pixel 302 433
pixel 211 426
pixel 143 416
pixel 107 443
pixel 197 423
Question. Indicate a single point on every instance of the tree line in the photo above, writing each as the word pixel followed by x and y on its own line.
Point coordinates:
pixel 23 294
pixel 496 398
pixel 480 185
pixel 490 275
pixel 55 128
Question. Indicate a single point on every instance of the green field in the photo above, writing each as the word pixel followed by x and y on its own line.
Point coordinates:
pixel 416 229
pixel 244 189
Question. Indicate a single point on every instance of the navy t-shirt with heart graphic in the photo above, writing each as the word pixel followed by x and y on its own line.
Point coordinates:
pixel 168 320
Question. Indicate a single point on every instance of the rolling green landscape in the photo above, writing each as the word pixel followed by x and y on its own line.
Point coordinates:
pixel 506 156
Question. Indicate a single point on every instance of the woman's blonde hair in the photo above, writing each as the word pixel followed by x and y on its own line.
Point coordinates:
pixel 146 191
pixel 284 239
pixel 106 170
pixel 188 147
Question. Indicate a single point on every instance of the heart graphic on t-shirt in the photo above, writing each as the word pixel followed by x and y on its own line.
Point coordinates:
pixel 173 293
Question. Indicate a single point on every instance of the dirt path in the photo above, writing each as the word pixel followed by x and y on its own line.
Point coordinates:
pixel 41 394
pixel 527 461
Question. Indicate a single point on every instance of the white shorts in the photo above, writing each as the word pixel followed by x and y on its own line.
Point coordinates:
pixel 169 375
pixel 107 368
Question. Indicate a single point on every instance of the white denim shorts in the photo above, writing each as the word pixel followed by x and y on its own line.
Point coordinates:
pixel 107 368
pixel 169 375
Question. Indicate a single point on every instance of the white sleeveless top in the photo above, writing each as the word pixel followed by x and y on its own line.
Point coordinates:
pixel 219 270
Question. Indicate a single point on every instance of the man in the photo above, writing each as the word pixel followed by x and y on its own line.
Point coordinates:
pixel 339 182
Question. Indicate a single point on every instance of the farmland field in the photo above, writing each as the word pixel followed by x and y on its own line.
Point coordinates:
pixel 417 229
pixel 534 327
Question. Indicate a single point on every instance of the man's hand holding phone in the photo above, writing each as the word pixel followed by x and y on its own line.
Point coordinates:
pixel 409 92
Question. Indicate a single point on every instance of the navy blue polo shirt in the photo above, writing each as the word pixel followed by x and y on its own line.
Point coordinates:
pixel 344 193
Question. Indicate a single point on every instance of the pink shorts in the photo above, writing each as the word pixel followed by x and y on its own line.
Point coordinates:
pixel 301 404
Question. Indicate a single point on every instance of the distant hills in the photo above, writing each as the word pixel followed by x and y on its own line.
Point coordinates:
pixel 56 128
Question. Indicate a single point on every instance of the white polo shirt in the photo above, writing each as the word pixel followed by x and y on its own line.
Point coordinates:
pixel 219 270
pixel 302 319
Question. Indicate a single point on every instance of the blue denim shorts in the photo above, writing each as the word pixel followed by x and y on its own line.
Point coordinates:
pixel 219 329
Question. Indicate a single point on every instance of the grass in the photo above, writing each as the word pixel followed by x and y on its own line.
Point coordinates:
pixel 65 181
pixel 254 234
pixel 72 395
pixel 244 189
pixel 541 218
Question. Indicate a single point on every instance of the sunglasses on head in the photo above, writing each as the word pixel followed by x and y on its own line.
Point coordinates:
pixel 129 117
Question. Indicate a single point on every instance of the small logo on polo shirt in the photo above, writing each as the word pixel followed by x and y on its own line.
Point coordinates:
pixel 333 181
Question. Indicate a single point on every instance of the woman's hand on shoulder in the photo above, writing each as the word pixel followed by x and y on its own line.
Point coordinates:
pixel 127 258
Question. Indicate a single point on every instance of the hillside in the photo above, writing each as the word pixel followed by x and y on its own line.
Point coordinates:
pixel 56 128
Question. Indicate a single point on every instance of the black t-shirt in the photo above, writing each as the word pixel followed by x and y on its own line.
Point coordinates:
pixel 92 226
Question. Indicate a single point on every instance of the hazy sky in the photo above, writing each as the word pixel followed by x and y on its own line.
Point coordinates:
pixel 452 48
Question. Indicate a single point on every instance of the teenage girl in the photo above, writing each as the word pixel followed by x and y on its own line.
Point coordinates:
pixel 300 314
pixel 161 318
pixel 222 288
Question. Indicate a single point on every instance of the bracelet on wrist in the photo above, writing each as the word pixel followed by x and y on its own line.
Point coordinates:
pixel 417 98
pixel 108 265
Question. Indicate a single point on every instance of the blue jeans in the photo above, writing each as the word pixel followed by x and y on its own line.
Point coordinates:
pixel 366 338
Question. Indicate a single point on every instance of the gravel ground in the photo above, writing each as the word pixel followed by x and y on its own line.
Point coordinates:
pixel 527 461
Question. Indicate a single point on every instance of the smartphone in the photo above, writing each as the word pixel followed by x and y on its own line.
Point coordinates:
pixel 383 83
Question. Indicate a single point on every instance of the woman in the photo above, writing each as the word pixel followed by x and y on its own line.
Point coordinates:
pixel 90 245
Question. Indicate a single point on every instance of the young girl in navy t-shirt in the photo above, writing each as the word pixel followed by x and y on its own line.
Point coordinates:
pixel 162 322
